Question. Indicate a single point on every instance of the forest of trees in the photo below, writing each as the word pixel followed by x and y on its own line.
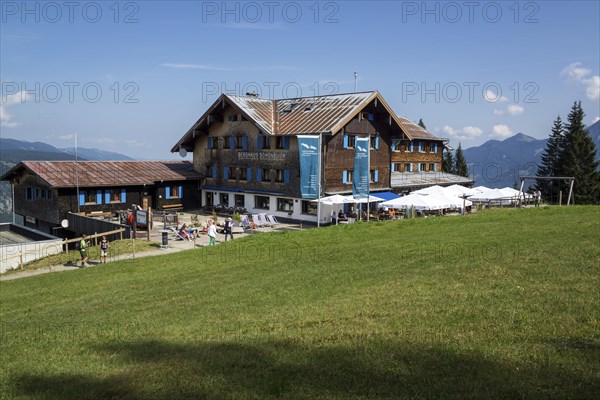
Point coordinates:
pixel 570 152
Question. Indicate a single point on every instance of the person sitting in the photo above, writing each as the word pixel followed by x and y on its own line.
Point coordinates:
pixel 183 232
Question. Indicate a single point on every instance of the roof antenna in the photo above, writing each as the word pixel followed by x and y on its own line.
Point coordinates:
pixel 355 78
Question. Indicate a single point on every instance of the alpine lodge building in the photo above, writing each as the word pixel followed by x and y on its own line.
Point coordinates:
pixel 247 149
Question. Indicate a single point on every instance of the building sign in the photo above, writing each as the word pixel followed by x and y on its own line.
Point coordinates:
pixel 141 217
pixel 308 147
pixel 361 174
pixel 260 155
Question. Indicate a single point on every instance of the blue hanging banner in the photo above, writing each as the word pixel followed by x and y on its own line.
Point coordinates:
pixel 360 176
pixel 308 147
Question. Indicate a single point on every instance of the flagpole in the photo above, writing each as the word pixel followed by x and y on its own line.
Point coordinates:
pixel 319 186
pixel 76 175
pixel 368 177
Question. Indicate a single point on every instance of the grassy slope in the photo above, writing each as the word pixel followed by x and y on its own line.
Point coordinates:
pixel 498 305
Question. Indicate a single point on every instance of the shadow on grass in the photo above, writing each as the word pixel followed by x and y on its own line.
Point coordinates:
pixel 285 369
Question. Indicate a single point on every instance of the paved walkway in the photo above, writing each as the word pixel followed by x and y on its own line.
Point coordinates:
pixel 155 236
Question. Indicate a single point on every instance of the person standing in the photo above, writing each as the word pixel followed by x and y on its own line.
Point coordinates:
pixel 212 232
pixel 228 229
pixel 83 245
pixel 104 246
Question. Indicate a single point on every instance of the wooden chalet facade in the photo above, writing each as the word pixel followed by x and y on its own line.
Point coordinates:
pixel 247 148
pixel 46 191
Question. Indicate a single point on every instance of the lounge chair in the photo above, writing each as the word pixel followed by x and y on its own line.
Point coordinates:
pixel 256 220
pixel 263 220
pixel 272 220
pixel 179 236
pixel 245 223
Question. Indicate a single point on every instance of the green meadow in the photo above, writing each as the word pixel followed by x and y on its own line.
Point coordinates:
pixel 502 304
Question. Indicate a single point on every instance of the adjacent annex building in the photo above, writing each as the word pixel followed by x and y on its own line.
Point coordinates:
pixel 247 149
pixel 44 192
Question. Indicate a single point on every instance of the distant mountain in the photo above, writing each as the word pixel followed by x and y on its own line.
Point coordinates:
pixel 15 151
pixel 498 164
pixel 594 131
pixel 96 154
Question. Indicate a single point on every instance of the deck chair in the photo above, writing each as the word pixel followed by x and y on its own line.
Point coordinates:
pixel 263 220
pixel 272 220
pixel 179 236
pixel 351 220
pixel 256 220
pixel 245 223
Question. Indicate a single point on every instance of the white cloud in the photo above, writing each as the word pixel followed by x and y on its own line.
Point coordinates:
pixel 498 112
pixel 69 136
pixel 580 75
pixel 492 97
pixel 9 100
pixel 514 109
pixel 196 66
pixel 137 143
pixel 449 130
pixel 501 130
pixel 472 131
pixel 595 119
pixel 466 133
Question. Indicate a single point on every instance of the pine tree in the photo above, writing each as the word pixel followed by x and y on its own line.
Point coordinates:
pixel 422 124
pixel 550 160
pixel 448 162
pixel 460 164
pixel 579 159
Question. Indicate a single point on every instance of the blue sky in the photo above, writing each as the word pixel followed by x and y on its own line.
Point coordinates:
pixel 133 76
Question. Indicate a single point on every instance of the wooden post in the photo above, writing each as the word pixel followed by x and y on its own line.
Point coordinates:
pixel 571 192
pixel 21 259
pixel 521 192
pixel 560 198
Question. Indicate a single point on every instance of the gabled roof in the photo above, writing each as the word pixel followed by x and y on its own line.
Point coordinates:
pixel 302 115
pixel 64 174
pixel 416 131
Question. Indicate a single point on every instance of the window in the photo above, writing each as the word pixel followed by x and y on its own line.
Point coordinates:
pixel 266 175
pixel 215 143
pixel 91 196
pixel 48 194
pixel 278 175
pixel 396 167
pixel 229 173
pixel 29 193
pixel 264 142
pixel 282 175
pixel 374 176
pixel 173 192
pixel 240 200
pixel 286 205
pixel 411 147
pixel 349 141
pixel 241 142
pixel 38 193
pixel 309 207
pixel 243 173
pixel 420 147
pixel 432 167
pixel 403 147
pixel 282 142
pixel 114 196
pixel 375 142
pixel 422 167
pixel 407 167
pixel 224 198
pixel 232 118
pixel 347 177
pixel 230 144
pixel 261 202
